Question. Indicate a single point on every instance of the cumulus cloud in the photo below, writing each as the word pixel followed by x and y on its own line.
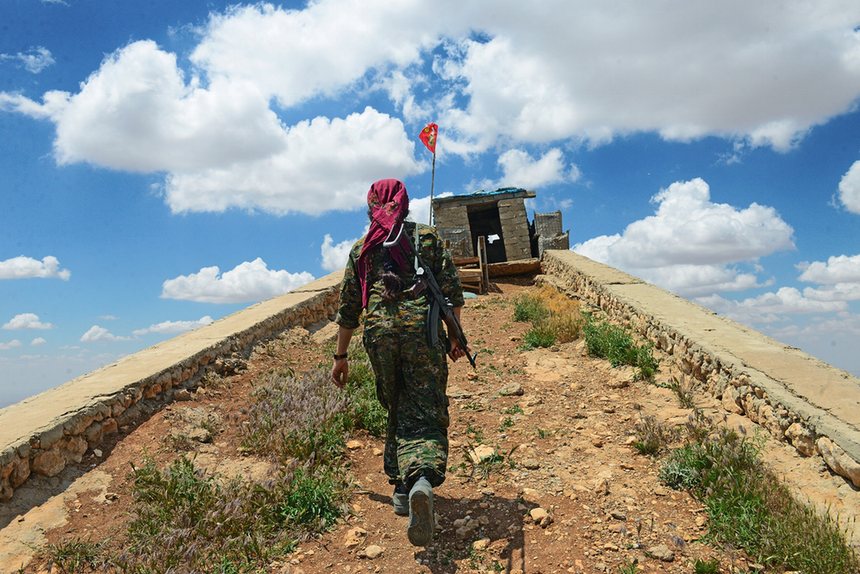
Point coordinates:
pixel 247 282
pixel 519 169
pixel 335 256
pixel 38 341
pixel 837 269
pixel 770 307
pixel 500 79
pixel 690 244
pixel 13 344
pixel 838 278
pixel 97 333
pixel 26 321
pixel 172 327
pixel 591 71
pixel 33 60
pixel 849 188
pixel 325 165
pixel 26 267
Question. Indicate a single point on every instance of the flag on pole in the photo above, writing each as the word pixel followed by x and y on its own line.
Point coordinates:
pixel 428 136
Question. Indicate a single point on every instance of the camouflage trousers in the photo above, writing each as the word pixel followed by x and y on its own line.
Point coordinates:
pixel 411 381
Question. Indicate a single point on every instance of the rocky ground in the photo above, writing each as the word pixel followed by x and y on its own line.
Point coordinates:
pixel 543 476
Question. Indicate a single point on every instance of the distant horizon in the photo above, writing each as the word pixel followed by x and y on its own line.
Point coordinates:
pixel 167 164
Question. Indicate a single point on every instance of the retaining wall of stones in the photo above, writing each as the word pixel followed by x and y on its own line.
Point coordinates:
pixel 742 389
pixel 62 438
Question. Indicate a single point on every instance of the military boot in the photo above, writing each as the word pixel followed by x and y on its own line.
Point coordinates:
pixel 400 499
pixel 421 519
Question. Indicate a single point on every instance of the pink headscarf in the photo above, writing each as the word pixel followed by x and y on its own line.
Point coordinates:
pixel 388 203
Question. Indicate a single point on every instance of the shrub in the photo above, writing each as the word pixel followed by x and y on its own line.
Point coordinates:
pixel 652 436
pixel 297 418
pixel 528 308
pixel 750 508
pixel 540 335
pixel 615 344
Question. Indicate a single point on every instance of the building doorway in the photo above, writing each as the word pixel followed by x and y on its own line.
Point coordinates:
pixel 484 221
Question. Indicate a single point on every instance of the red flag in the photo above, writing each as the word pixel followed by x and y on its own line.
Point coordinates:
pixel 428 136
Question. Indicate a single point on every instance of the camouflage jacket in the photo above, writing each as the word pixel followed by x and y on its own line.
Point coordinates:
pixel 403 314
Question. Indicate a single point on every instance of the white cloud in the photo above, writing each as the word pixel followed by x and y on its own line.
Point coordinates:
pixel 325 165
pixel 690 243
pixel 13 344
pixel 594 70
pixel 295 55
pixel 519 169
pixel 247 282
pixel 516 74
pixel 97 333
pixel 26 267
pixel 838 278
pixel 849 188
pixel 837 269
pixel 26 321
pixel 334 257
pixel 38 341
pixel 171 327
pixel 138 113
pixel 770 307
pixel 33 60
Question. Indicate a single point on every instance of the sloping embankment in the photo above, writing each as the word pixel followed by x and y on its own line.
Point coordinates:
pixel 799 399
pixel 42 434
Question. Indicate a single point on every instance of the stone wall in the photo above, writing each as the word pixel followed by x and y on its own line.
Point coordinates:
pixel 799 400
pixel 45 433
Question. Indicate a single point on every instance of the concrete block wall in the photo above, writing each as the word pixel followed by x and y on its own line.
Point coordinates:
pixel 515 229
pixel 45 433
pixel 799 399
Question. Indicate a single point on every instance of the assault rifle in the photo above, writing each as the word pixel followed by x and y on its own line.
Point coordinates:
pixel 439 304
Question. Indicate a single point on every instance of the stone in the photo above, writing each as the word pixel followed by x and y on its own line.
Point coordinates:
pixel 49 463
pixel 182 395
pixel 20 472
pixel 838 460
pixel 801 438
pixel 481 544
pixel 660 552
pixel 730 401
pixel 73 448
pixel 373 551
pixel 481 453
pixel 354 444
pixel 354 537
pixel 511 390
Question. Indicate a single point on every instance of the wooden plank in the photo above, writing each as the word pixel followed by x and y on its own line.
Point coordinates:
pixel 518 267
pixel 482 264
pixel 463 261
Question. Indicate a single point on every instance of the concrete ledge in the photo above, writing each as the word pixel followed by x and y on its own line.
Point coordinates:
pixel 798 398
pixel 44 433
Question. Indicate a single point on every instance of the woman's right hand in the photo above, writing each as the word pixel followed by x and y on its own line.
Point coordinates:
pixel 340 372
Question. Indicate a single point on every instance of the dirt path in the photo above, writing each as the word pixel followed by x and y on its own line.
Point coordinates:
pixel 561 491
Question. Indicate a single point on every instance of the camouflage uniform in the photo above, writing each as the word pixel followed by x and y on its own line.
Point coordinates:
pixel 411 377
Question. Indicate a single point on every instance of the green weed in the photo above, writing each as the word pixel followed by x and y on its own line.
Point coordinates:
pixel 540 335
pixel 652 436
pixel 707 566
pixel 528 308
pixel 615 344
pixel 74 555
pixel 750 508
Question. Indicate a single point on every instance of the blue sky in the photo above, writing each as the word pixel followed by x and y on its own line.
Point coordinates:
pixel 167 163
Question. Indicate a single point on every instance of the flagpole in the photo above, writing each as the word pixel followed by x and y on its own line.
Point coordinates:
pixel 432 182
